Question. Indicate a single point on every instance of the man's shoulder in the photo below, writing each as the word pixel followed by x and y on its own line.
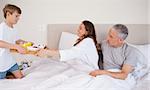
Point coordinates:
pixel 130 47
pixel 132 50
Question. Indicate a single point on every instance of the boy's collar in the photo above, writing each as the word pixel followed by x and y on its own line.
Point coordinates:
pixel 8 24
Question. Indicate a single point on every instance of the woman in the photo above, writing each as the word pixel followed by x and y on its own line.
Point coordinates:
pixel 85 49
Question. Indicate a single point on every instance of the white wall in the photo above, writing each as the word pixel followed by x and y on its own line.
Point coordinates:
pixel 37 13
pixel 148 11
pixel 1 11
pixel 149 18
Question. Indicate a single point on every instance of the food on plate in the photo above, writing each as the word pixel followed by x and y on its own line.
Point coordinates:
pixel 25 45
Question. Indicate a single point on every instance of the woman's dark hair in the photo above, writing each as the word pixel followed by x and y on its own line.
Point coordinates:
pixel 90 33
pixel 89 26
pixel 100 60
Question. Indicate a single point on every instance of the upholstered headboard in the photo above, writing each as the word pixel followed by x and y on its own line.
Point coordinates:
pixel 138 33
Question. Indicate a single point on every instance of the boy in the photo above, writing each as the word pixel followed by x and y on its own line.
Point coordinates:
pixel 7 41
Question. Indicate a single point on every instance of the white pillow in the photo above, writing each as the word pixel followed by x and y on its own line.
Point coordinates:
pixel 145 50
pixel 67 40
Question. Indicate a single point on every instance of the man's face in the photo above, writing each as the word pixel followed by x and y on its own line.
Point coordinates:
pixel 112 38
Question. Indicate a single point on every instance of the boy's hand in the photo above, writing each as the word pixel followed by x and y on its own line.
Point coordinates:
pixel 21 49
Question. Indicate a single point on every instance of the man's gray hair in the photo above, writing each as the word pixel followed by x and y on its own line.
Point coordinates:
pixel 122 30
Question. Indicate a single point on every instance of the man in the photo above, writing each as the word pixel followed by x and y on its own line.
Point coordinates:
pixel 118 54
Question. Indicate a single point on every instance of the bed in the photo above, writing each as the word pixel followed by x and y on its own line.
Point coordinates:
pixel 50 74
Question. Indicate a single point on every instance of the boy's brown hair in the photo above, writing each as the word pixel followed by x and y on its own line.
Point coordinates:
pixel 11 9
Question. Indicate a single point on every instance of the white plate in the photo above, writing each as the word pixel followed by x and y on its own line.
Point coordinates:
pixel 31 48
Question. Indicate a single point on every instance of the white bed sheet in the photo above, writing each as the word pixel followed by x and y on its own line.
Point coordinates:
pixel 55 75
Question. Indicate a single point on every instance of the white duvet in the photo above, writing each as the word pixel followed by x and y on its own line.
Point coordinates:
pixel 55 75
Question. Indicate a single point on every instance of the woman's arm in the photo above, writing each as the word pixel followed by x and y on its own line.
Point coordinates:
pixel 68 54
pixel 63 55
pixel 49 53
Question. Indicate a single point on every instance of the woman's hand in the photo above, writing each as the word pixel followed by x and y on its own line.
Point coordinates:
pixel 42 53
pixel 54 53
